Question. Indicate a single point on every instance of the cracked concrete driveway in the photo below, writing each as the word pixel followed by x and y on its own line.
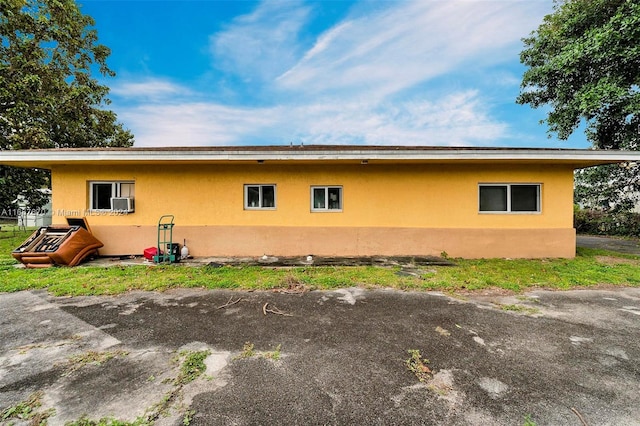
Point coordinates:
pixel 555 357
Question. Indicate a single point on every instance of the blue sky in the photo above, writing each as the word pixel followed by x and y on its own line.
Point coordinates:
pixel 441 72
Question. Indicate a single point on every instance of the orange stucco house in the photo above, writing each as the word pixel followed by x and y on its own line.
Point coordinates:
pixel 323 200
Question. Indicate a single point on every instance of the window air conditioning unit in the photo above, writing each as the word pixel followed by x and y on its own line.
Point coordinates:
pixel 122 204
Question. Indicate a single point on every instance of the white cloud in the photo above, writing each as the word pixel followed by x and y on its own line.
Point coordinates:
pixel 367 80
pixel 192 123
pixel 456 119
pixel 263 43
pixel 325 40
pixel 412 42
pixel 148 88
pixel 504 79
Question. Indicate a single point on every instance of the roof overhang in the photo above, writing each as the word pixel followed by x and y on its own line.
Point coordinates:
pixel 576 158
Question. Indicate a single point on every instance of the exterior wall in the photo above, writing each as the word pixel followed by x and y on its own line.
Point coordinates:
pixel 388 209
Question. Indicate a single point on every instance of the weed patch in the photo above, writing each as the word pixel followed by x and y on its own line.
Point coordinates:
pixel 418 365
pixel 188 417
pixel 528 299
pixel 248 351
pixel 76 362
pixel 528 421
pixel 520 309
pixel 192 366
pixel 161 408
pixel 108 421
pixel 274 355
pixel 28 410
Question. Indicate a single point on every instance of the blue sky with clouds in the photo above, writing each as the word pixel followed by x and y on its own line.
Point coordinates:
pixel 441 72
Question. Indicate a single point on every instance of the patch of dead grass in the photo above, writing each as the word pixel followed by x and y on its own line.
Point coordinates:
pixel 612 260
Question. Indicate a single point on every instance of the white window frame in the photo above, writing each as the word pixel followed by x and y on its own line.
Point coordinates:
pixel 116 191
pixel 508 186
pixel 260 196
pixel 326 197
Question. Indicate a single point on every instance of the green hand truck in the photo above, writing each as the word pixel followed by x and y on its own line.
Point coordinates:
pixel 165 251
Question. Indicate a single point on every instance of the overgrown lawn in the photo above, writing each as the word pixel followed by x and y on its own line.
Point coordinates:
pixel 589 268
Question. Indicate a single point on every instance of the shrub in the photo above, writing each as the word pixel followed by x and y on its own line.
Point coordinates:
pixel 598 222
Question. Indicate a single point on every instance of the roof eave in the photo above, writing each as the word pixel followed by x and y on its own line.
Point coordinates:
pixel 49 158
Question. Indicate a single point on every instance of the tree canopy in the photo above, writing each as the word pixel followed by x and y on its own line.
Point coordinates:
pixel 584 65
pixel 584 62
pixel 49 98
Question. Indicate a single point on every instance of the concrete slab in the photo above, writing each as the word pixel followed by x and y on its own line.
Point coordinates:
pixel 341 360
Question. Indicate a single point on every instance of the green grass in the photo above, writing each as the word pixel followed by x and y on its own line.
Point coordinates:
pixel 520 274
pixel 585 270
pixel 9 240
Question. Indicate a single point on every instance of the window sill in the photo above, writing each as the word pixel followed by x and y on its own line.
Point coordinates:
pixel 514 213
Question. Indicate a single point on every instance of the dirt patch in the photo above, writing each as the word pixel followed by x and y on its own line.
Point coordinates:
pixel 612 260
pixel 489 292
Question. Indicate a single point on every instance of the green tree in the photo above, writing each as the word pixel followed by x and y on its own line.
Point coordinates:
pixel 48 97
pixel 584 65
